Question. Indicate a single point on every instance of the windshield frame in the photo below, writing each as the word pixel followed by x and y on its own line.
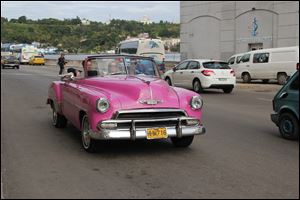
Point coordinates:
pixel 126 66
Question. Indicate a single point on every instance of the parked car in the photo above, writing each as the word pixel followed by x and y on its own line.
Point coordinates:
pixel 202 74
pixel 123 97
pixel 286 108
pixel 266 64
pixel 10 61
pixel 37 60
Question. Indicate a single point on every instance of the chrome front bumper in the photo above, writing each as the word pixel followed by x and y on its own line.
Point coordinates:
pixel 135 132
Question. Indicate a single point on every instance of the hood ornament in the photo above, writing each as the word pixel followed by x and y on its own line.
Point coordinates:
pixel 150 101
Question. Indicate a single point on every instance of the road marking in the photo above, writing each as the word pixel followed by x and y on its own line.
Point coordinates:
pixel 264 99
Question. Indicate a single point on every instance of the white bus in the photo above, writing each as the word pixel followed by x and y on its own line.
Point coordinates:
pixel 142 47
pixel 24 52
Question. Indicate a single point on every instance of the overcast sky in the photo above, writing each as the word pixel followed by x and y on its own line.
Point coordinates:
pixel 93 10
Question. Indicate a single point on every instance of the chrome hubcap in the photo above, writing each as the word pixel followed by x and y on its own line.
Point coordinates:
pixel 54 117
pixel 287 127
pixel 86 139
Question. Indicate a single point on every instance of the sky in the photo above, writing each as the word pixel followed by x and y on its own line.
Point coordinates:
pixel 93 10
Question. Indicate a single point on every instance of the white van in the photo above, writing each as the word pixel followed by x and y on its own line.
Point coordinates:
pixel 266 64
pixel 143 47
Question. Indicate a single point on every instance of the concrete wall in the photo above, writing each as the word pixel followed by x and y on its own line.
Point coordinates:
pixel 216 29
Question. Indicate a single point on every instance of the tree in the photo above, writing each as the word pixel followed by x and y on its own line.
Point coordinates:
pixel 22 19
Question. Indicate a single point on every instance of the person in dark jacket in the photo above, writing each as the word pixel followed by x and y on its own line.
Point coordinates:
pixel 61 62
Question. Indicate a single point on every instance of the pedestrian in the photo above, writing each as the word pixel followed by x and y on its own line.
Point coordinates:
pixel 61 62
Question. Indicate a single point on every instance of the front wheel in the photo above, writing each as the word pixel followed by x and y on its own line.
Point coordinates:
pixel 288 126
pixel 182 142
pixel 88 143
pixel 58 120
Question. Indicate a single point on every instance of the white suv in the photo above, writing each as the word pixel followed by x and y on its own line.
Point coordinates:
pixel 202 74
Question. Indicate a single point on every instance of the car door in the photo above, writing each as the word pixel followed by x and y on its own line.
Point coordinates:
pixel 260 68
pixel 70 100
pixel 191 73
pixel 290 96
pixel 244 65
pixel 178 74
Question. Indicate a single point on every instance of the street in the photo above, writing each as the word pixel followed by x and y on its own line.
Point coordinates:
pixel 242 154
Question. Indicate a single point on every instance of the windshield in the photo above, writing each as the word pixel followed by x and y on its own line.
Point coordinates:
pixel 120 66
pixel 216 65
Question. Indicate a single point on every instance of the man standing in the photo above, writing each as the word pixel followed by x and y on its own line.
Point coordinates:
pixel 61 62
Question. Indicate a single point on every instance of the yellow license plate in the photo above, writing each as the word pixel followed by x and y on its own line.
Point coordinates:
pixel 156 133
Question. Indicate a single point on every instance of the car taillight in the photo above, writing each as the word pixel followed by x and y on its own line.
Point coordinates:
pixel 207 72
pixel 232 72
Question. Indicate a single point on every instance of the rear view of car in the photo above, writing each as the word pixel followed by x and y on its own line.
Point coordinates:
pixel 219 75
pixel 202 74
pixel 37 60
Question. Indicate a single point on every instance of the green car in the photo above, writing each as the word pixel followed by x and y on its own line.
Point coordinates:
pixel 286 108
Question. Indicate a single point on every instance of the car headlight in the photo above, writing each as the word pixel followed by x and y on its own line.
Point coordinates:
pixel 102 105
pixel 196 102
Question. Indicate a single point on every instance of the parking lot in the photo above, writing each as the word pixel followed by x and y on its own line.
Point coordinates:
pixel 241 155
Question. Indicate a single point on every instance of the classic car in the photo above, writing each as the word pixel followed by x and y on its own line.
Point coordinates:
pixel 123 97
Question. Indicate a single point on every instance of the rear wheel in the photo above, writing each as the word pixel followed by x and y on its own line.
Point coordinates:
pixel 182 142
pixel 88 143
pixel 288 126
pixel 281 78
pixel 197 86
pixel 246 78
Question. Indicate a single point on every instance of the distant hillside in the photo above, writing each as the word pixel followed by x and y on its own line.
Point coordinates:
pixel 72 35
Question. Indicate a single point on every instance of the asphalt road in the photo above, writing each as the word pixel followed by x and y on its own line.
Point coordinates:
pixel 241 156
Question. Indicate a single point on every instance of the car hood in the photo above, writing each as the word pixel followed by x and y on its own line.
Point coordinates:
pixel 133 92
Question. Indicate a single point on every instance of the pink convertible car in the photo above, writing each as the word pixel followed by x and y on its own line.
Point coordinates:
pixel 123 97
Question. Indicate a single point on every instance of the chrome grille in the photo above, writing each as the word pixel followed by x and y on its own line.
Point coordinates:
pixel 150 114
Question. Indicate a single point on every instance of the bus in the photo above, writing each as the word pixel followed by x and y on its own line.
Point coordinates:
pixel 142 47
pixel 24 52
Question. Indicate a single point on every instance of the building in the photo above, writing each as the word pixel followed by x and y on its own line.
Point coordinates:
pixel 219 29
pixel 85 22
pixel 145 20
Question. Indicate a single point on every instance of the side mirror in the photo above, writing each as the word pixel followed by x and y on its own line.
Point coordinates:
pixel 174 69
